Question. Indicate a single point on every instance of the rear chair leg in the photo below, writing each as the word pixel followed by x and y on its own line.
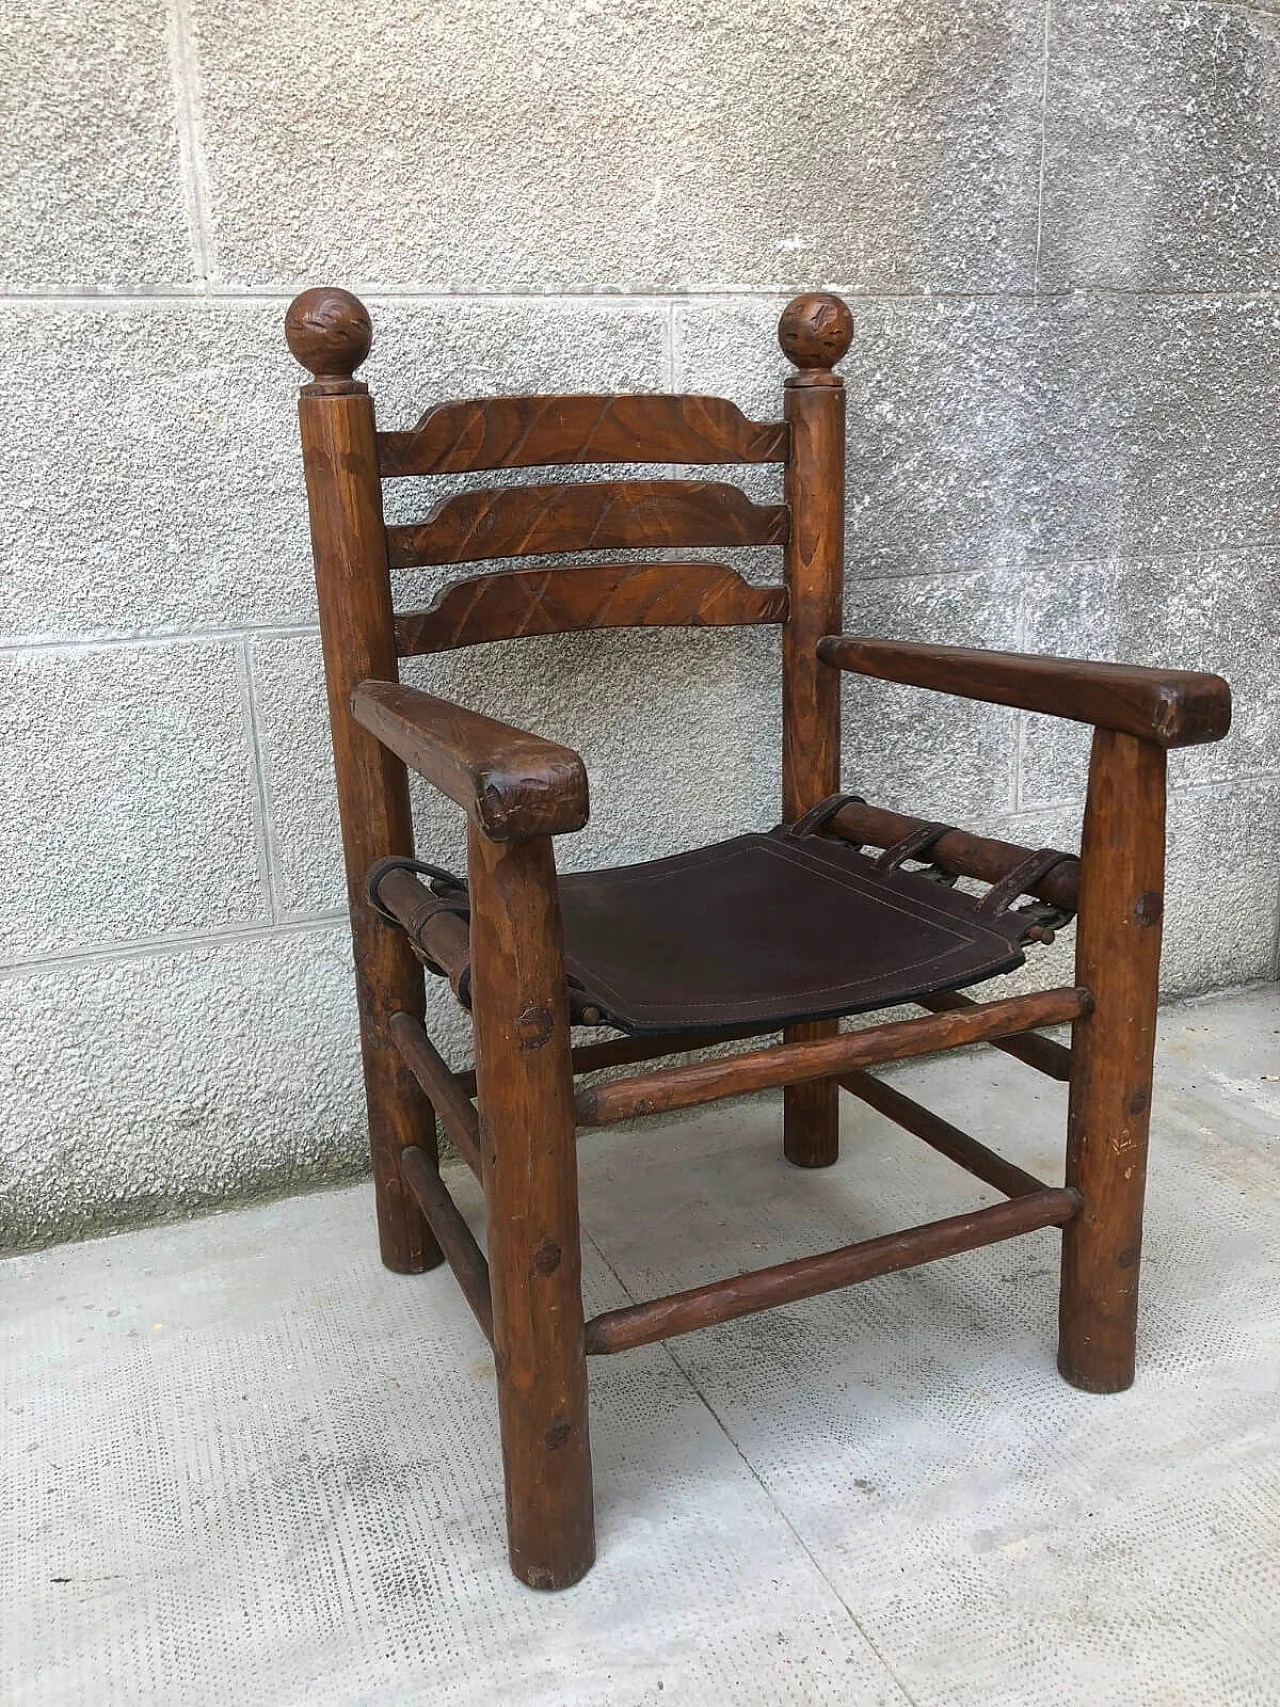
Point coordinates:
pixel 1118 960
pixel 388 980
pixel 329 333
pixel 811 1112
pixel 524 1081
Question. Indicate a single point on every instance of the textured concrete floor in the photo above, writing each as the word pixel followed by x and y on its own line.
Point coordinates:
pixel 244 1464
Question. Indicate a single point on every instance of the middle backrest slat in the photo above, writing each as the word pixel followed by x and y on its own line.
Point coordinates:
pixel 612 515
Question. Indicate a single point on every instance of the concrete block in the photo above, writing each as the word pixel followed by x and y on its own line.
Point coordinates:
pixel 1222 889
pixel 1157 420
pixel 204 1077
pixel 1216 613
pixel 292 720
pixel 1222 897
pixel 679 732
pixel 667 146
pixel 995 431
pixel 93 176
pixel 127 788
pixel 927 753
pixel 1162 137
pixel 152 470
pixel 946 411
pixel 175 500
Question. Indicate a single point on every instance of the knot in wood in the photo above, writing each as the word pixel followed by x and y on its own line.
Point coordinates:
pixel 533 1028
pixel 1148 909
pixel 546 1259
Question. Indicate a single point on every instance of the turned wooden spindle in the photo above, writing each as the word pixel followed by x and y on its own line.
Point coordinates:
pixel 815 331
pixel 329 332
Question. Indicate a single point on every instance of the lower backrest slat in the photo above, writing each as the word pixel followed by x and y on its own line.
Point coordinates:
pixel 605 595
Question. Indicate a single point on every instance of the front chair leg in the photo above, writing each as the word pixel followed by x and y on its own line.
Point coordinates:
pixel 524 1083
pixel 1118 960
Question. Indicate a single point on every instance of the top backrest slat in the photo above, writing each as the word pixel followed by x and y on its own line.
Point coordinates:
pixel 532 432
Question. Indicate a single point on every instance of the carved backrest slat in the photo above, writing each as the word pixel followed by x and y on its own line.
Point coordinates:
pixel 533 521
pixel 531 432
pixel 347 461
pixel 596 595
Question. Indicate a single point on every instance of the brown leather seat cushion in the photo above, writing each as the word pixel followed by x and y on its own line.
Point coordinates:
pixel 770 928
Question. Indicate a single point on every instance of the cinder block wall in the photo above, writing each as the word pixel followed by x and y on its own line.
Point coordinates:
pixel 1060 225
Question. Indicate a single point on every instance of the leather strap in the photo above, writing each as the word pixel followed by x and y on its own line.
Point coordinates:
pixel 810 822
pixel 455 902
pixel 912 845
pixel 1001 896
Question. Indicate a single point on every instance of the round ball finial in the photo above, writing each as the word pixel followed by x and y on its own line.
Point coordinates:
pixel 330 333
pixel 815 331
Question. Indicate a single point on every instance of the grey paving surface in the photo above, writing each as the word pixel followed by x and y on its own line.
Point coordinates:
pixel 244 1464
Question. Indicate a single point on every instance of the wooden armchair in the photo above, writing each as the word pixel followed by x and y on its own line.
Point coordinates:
pixel 759 934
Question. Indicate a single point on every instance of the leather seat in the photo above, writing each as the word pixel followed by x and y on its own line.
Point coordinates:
pixel 768 929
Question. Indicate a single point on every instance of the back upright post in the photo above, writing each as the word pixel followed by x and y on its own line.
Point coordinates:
pixel 328 331
pixel 814 333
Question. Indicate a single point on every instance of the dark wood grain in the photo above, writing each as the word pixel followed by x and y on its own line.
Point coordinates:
pixel 814 333
pixel 510 783
pixel 453 1105
pixel 1109 1115
pixel 531 432
pixel 604 595
pixel 330 330
pixel 1173 708
pixel 455 1238
pixel 591 515
pixel 525 1090
pixel 789 1063
pixel 806 1277
pixel 941 1135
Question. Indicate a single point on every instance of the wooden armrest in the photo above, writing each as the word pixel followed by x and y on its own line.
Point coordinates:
pixel 511 784
pixel 1173 708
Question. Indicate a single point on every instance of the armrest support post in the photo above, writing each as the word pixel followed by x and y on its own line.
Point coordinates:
pixel 524 1083
pixel 1109 1111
